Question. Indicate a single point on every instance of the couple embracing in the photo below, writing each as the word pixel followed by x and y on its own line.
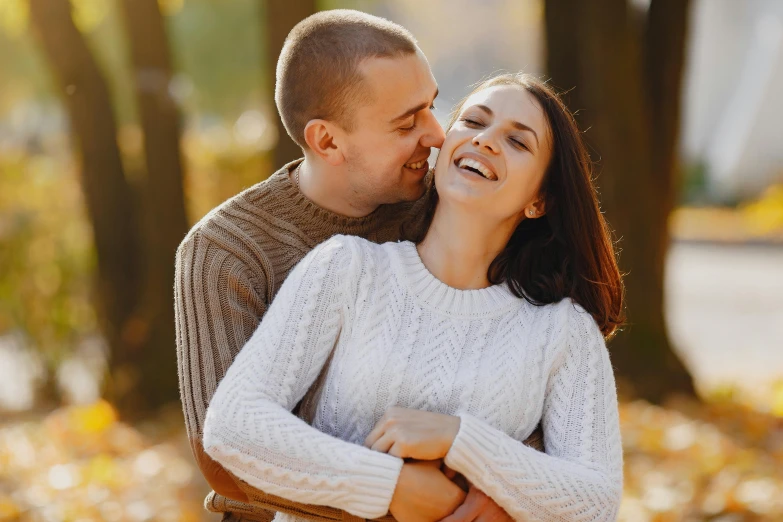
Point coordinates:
pixel 362 336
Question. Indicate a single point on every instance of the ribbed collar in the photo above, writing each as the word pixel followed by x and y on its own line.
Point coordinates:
pixel 319 223
pixel 435 294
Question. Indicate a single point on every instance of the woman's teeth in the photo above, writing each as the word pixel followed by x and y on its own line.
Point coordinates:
pixel 477 167
pixel 416 166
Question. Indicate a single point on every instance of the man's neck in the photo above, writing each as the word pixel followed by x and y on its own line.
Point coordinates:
pixel 329 188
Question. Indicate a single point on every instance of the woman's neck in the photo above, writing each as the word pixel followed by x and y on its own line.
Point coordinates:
pixel 459 247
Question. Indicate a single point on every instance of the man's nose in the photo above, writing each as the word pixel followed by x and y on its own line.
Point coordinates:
pixel 434 135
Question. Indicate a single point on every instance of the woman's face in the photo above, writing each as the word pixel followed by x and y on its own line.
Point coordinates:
pixel 496 154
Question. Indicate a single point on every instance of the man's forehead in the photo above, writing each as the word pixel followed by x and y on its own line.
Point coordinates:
pixel 398 84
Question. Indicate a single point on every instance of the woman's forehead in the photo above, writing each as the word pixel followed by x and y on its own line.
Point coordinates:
pixel 510 103
pixel 510 100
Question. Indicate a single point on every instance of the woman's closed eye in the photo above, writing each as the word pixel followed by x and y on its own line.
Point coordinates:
pixel 515 141
pixel 470 122
pixel 518 143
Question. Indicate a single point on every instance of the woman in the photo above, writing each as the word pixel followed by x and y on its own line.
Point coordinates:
pixel 454 346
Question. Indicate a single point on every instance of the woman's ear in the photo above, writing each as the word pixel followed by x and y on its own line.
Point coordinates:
pixel 324 138
pixel 536 209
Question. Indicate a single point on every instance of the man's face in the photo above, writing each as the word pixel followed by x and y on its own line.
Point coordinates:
pixel 386 152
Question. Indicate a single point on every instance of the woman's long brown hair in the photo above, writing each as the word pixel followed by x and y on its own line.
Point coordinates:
pixel 569 251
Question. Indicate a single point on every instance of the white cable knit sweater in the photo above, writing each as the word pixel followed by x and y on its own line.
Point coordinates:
pixel 359 327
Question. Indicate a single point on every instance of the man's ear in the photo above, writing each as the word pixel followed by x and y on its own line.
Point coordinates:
pixel 324 139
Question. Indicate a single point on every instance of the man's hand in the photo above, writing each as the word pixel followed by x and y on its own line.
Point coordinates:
pixel 478 507
pixel 416 434
pixel 424 494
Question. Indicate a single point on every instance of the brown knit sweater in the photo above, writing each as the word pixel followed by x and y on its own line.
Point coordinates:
pixel 228 268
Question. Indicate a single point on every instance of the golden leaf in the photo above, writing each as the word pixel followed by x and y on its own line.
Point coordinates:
pixel 95 418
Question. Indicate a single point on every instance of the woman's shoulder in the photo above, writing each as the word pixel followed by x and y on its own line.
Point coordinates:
pixel 564 330
pixel 569 309
pixel 361 245
pixel 567 319
pixel 350 252
pixel 348 245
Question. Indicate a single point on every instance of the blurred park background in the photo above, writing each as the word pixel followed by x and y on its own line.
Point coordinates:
pixel 122 122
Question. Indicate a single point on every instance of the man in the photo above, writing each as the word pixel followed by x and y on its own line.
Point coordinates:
pixel 356 93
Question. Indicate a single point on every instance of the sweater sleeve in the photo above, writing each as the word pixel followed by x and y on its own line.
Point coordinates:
pixel 219 299
pixel 579 478
pixel 249 427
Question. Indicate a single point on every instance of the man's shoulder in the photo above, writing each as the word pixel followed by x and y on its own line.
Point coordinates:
pixel 240 213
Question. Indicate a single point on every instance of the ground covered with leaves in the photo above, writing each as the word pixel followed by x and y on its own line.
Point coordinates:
pixel 687 462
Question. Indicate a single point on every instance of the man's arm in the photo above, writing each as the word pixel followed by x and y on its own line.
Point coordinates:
pixel 219 301
pixel 221 294
pixel 220 480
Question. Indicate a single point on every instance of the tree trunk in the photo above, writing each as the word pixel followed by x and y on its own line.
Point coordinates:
pixel 627 93
pixel 108 196
pixel 281 16
pixel 152 360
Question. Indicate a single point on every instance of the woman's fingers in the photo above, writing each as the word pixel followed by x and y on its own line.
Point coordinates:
pixel 384 444
pixel 375 434
pixel 396 450
pixel 417 434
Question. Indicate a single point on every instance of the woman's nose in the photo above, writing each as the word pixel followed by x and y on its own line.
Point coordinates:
pixel 485 140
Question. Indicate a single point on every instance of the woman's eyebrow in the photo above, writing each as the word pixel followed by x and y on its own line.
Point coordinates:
pixel 522 126
pixel 515 124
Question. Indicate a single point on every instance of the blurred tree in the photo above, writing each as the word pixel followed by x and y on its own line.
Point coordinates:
pixel 624 67
pixel 136 229
pixel 109 198
pixel 162 208
pixel 280 17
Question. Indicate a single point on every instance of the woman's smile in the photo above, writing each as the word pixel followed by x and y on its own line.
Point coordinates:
pixel 475 164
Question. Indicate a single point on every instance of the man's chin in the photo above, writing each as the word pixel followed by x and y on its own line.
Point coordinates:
pixel 416 190
pixel 417 186
pixel 405 194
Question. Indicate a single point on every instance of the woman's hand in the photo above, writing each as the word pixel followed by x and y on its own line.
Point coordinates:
pixel 416 434
pixel 424 493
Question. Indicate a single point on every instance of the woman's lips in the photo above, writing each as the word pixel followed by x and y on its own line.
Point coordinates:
pixel 476 167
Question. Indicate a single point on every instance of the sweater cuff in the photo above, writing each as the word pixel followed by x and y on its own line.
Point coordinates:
pixel 474 441
pixel 373 493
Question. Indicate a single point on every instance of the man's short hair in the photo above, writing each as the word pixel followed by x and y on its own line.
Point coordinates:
pixel 318 70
